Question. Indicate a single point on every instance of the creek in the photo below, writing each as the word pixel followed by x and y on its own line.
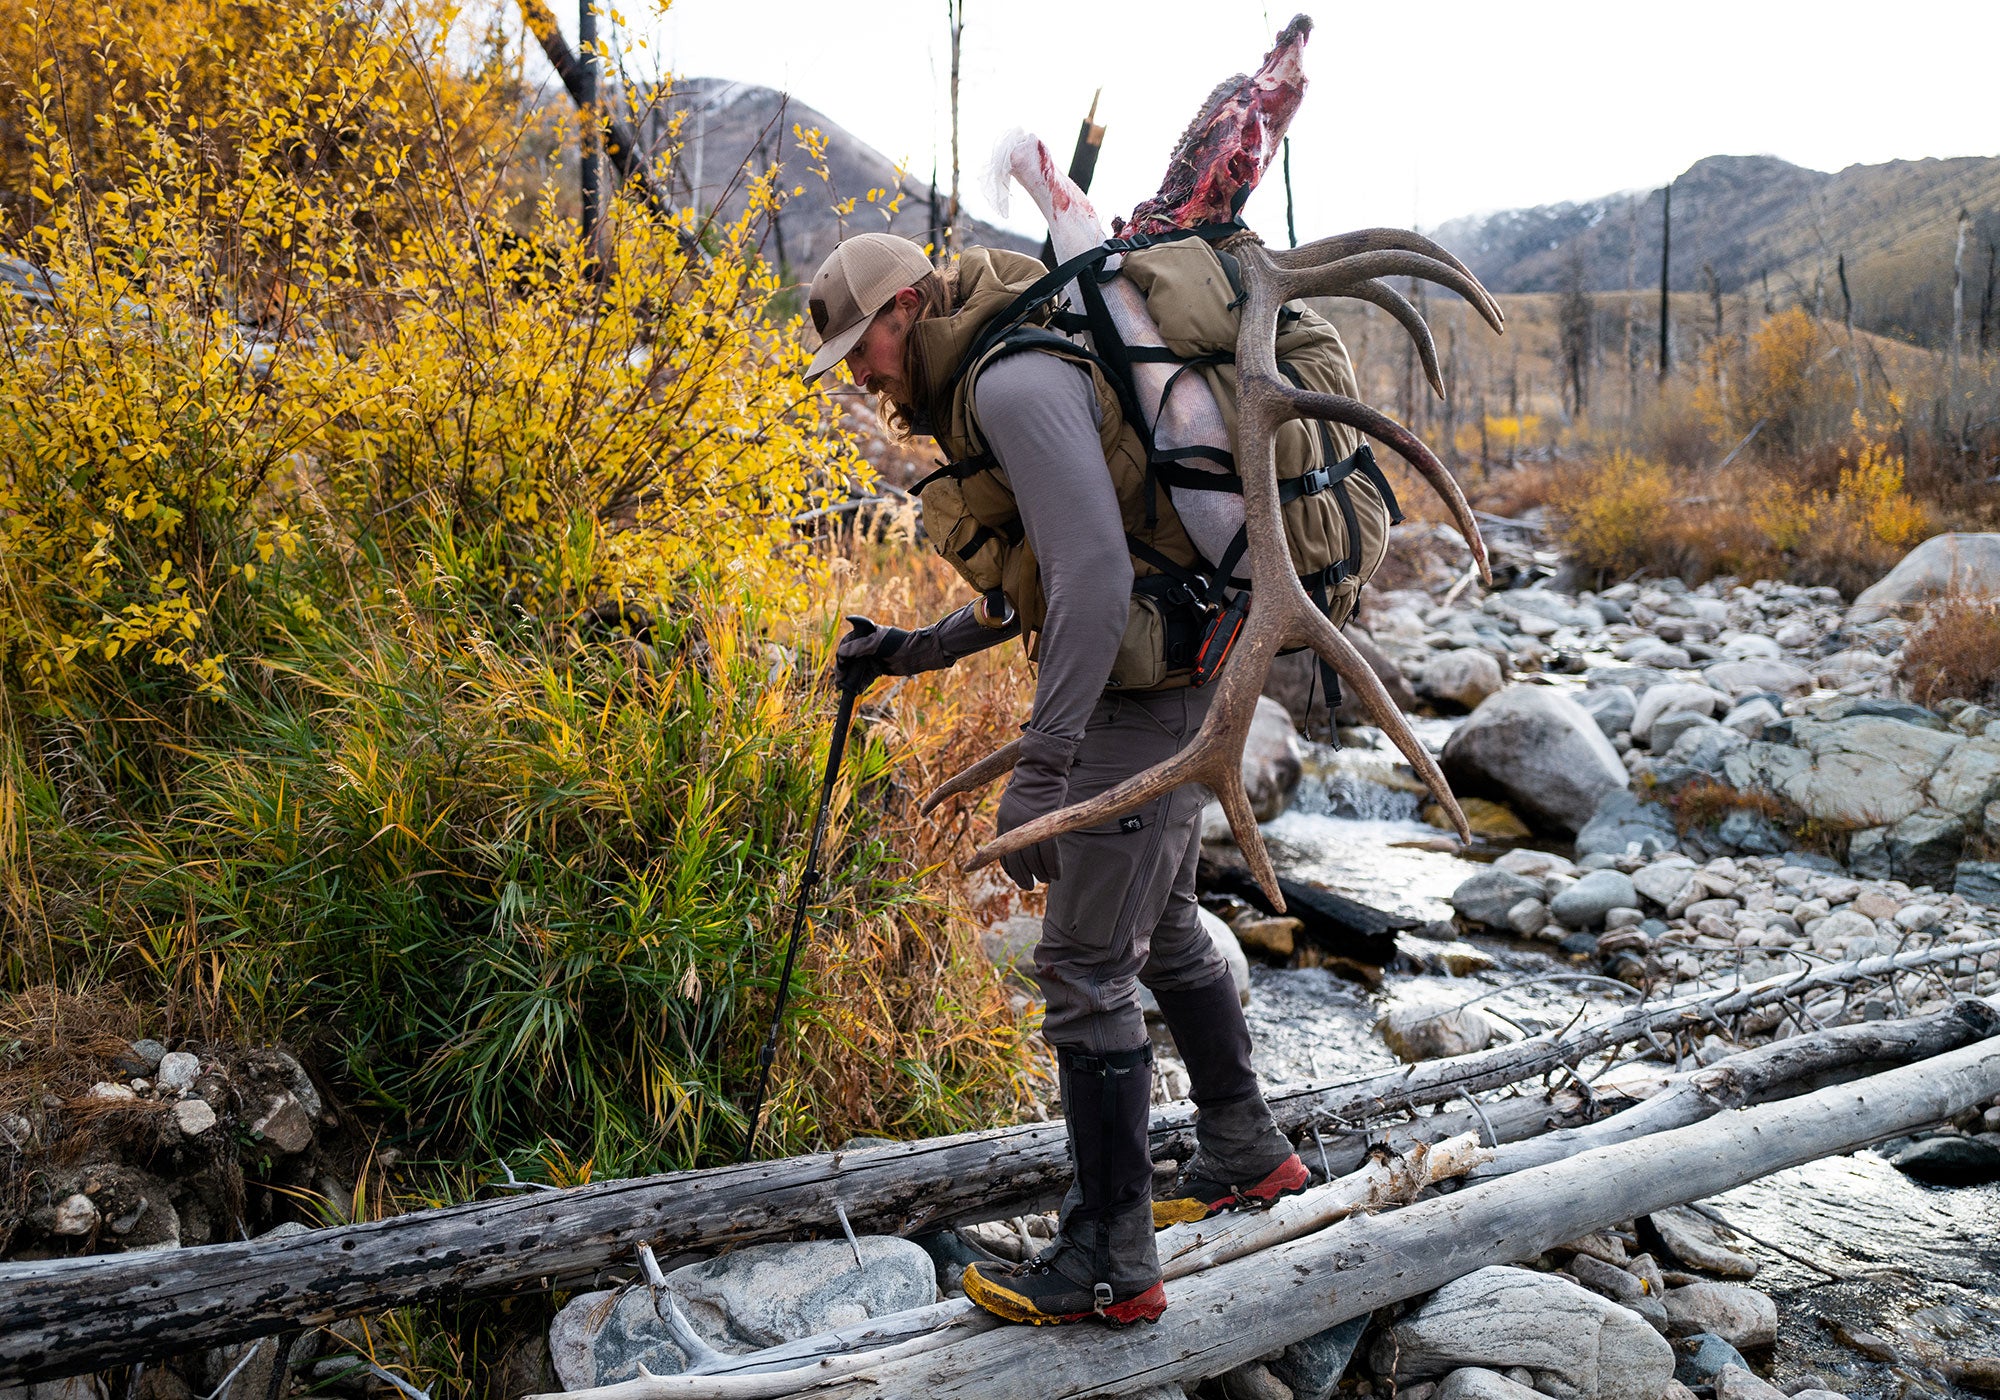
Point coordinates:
pixel 1905 1271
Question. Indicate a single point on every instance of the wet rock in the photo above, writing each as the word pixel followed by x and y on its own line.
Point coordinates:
pixel 1674 698
pixel 1743 1317
pixel 1461 678
pixel 753 1297
pixel 1612 707
pixel 1272 759
pixel 1949 1161
pixel 178 1071
pixel 1478 1383
pixel 1754 674
pixel 1577 1345
pixel 1737 1383
pixel 1487 896
pixel 1699 1359
pixel 1584 904
pixel 1415 1033
pixel 1278 937
pixel 1695 1242
pixel 1312 1368
pixel 1949 563
pixel 1623 819
pixel 1538 751
pixel 1978 880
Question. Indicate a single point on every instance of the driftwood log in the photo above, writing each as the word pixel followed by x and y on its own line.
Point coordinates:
pixel 1237 1312
pixel 1784 1069
pixel 70 1316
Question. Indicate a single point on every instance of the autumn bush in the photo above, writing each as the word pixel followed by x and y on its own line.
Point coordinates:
pixel 1954 652
pixel 407 648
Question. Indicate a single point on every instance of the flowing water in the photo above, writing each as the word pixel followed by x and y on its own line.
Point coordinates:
pixel 1899 1267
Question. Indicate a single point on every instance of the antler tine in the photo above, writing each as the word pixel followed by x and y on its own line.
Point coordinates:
pixel 1398 306
pixel 1375 240
pixel 1338 408
pixel 1002 760
pixel 1332 279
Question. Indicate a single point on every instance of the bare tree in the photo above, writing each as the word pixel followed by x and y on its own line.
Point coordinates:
pixel 1666 248
pixel 1958 299
pixel 955 16
pixel 1632 314
pixel 1574 316
pixel 1853 355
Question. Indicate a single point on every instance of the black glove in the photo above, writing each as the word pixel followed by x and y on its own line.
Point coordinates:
pixel 867 653
pixel 1040 785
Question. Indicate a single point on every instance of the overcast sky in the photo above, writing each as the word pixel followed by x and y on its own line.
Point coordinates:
pixel 1416 113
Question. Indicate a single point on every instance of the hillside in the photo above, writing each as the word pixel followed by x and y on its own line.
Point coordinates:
pixel 1758 221
pixel 726 124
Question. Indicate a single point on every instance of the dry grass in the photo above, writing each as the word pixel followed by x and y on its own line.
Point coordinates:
pixel 1955 653
pixel 1705 802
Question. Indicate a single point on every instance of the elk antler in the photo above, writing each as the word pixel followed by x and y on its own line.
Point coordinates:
pixel 1281 614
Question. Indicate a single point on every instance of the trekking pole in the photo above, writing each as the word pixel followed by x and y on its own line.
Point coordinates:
pixel 843 717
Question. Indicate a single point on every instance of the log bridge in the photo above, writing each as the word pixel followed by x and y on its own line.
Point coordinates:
pixel 72 1316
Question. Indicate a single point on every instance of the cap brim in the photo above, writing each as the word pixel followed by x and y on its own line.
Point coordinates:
pixel 832 352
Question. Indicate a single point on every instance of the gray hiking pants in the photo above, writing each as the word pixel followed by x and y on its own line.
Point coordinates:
pixel 1123 912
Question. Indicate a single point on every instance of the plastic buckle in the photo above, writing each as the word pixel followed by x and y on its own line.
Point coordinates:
pixel 1100 1297
pixel 1314 481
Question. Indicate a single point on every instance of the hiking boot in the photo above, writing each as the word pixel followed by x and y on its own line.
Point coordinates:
pixel 1242 1160
pixel 1103 1263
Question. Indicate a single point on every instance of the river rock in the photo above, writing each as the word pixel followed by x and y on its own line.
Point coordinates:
pixel 1752 716
pixel 1312 1369
pixel 1854 772
pixel 1949 1161
pixel 1010 946
pixel 1662 880
pixel 1420 1032
pixel 1612 707
pixel 1462 677
pixel 75 1215
pixel 1743 1317
pixel 178 1071
pixel 1678 697
pixel 1478 1383
pixel 1970 778
pixel 1697 1243
pixel 1839 928
pixel 193 1116
pixel 1978 880
pixel 1272 759
pixel 1959 563
pixel 1536 750
pixel 1736 1383
pixel 1528 918
pixel 1584 904
pixel 1699 1359
pixel 1669 731
pixel 1750 675
pixel 1623 818
pixel 1577 1345
pixel 1487 896
pixel 753 1297
pixel 1921 849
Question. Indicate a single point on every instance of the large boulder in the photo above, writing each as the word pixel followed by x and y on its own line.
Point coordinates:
pixel 1576 1345
pixel 1955 563
pixel 1743 1317
pixel 1856 771
pixel 1228 945
pixel 750 1298
pixel 1272 759
pixel 1461 678
pixel 1921 849
pixel 1585 903
pixel 1537 750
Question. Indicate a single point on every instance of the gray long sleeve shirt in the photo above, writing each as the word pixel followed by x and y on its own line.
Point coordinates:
pixel 1039 416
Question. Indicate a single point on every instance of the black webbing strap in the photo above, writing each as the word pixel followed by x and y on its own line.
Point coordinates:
pixel 1370 469
pixel 958 471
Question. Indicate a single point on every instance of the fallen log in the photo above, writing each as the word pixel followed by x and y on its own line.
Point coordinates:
pixel 1237 1312
pixel 1783 1069
pixel 65 1317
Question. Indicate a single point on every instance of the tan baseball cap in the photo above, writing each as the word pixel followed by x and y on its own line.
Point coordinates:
pixel 856 281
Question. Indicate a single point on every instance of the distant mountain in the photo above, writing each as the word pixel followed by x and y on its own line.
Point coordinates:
pixel 726 126
pixel 1758 221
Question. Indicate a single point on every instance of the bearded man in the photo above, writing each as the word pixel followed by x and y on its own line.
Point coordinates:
pixel 1033 423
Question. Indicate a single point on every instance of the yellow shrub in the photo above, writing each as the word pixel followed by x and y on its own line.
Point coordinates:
pixel 1613 512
